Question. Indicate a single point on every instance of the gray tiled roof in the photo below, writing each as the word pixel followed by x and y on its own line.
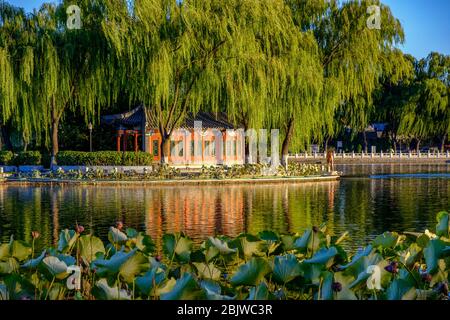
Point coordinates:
pixel 133 120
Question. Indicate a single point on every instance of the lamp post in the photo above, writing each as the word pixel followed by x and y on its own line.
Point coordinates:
pixel 90 136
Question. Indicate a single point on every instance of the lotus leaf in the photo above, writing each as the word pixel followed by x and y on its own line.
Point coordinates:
pixel 285 268
pixel 443 225
pixel 150 280
pixel 324 256
pixel 388 240
pixel 166 287
pixel 67 239
pixel 56 267
pixel 133 266
pixel 4 251
pixel 213 290
pixel 186 288
pixel 104 292
pixel 222 246
pixel 112 265
pixel 116 236
pixel 260 292
pixel 33 263
pixel 177 246
pixel 432 254
pixel 9 266
pixel 251 273
pixel 3 292
pixel 207 271
pixel 326 290
pixel 401 290
pixel 89 247
pixel 20 250
pixel 310 241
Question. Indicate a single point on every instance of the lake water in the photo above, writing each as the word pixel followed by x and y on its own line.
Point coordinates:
pixel 369 200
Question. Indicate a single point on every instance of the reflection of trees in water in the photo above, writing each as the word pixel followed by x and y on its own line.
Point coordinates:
pixel 23 210
pixel 364 207
pixel 198 212
pixel 409 204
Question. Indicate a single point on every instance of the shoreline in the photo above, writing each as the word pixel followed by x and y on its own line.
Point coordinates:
pixel 196 182
pixel 370 161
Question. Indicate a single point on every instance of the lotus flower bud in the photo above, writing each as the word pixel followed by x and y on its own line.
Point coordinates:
pixel 79 229
pixel 336 286
pixel 392 268
pixel 35 234
pixel 426 277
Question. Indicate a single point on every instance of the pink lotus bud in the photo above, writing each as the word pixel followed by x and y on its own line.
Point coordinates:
pixel 79 229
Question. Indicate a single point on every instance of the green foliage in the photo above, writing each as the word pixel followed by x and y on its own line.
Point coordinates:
pixel 6 157
pixel 104 158
pixel 319 73
pixel 312 266
pixel 27 158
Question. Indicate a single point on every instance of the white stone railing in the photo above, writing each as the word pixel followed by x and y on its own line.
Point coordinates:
pixel 379 155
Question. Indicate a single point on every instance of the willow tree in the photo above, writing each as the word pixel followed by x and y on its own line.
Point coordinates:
pixel 393 96
pixel 295 109
pixel 427 111
pixel 352 54
pixel 72 70
pixel 14 63
pixel 179 57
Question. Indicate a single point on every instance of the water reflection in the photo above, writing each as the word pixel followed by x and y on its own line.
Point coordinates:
pixel 363 206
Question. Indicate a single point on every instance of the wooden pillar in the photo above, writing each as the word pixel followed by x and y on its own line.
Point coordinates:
pixel 135 142
pixel 125 138
pixel 118 141
pixel 225 158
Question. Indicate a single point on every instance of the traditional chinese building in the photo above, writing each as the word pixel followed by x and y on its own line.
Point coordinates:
pixel 203 139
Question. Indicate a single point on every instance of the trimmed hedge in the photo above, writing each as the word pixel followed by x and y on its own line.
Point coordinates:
pixel 28 158
pixel 104 158
pixel 6 158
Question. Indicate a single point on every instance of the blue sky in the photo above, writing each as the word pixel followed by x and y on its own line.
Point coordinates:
pixel 426 23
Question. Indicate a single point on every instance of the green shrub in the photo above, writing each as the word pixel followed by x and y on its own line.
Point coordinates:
pixel 28 158
pixel 104 158
pixel 6 157
pixel 359 148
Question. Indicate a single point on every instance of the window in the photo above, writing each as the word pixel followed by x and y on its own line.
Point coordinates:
pixel 199 151
pixel 234 147
pixel 155 148
pixel 192 148
pixel 172 148
pixel 210 148
pixel 213 148
pixel 239 146
pixel 180 148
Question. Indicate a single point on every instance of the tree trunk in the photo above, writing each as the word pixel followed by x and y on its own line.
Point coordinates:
pixel 418 145
pixel 55 142
pixel 165 148
pixel 5 138
pixel 444 137
pixel 247 150
pixel 365 141
pixel 286 142
pixel 325 146
pixel 393 141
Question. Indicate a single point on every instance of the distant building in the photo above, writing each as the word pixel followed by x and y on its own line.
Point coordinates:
pixel 203 139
